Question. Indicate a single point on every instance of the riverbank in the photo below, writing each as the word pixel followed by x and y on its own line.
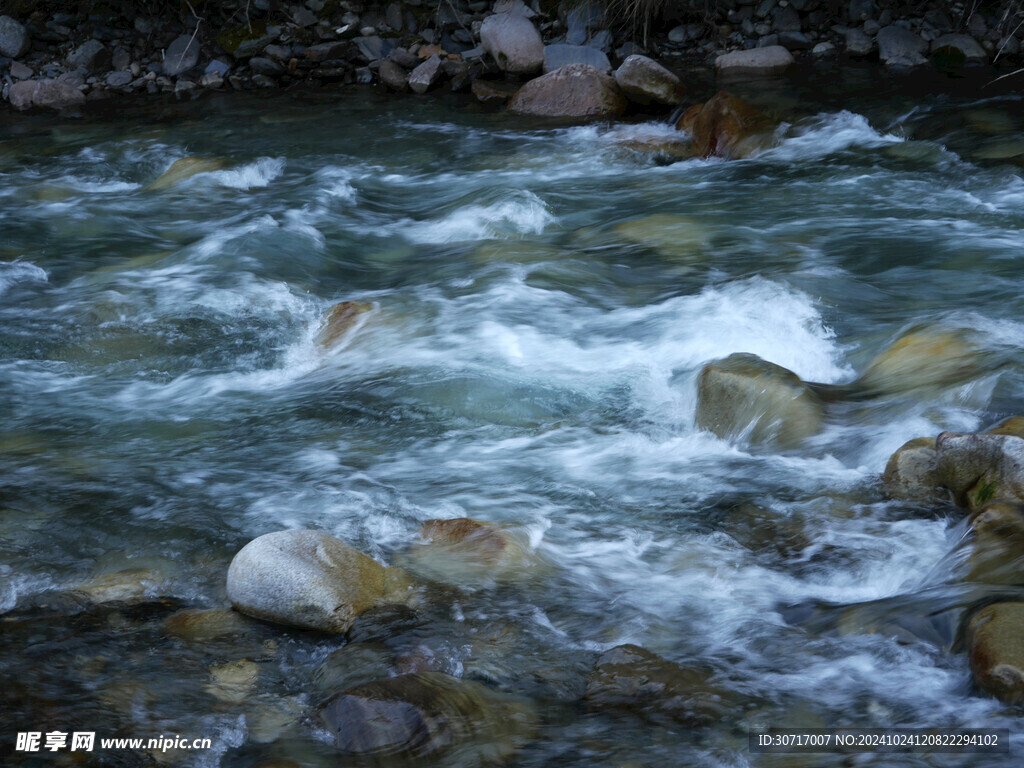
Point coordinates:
pixel 61 60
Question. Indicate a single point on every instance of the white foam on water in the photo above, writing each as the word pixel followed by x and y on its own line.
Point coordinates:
pixel 13 272
pixel 827 134
pixel 255 175
pixel 94 187
pixel 518 213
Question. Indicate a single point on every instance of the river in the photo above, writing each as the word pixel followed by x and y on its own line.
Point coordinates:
pixel 530 359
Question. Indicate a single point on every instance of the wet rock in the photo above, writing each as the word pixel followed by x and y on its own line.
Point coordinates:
pixel 997 549
pixel 558 56
pixel 354 664
pixel 467 550
pixel 680 238
pixel 393 76
pixel 186 168
pixel 200 626
pixel 308 579
pixel 979 468
pixel 644 81
pixel 744 397
pixel 899 47
pixel 181 55
pixel 730 128
pixel 513 42
pixel 632 678
pixel 492 91
pixel 996 643
pixel 234 682
pixel 577 90
pixel 326 51
pixel 45 94
pixel 403 58
pixel 425 75
pixel 425 714
pixel 93 56
pixel 957 50
pixel 341 318
pixel 911 472
pixel 932 357
pixel 14 38
pixel 132 585
pixel 768 60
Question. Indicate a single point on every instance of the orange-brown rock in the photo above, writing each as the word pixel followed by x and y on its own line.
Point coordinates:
pixel 482 538
pixel 340 319
pixel 685 122
pixel 575 90
pixel 465 550
pixel 729 127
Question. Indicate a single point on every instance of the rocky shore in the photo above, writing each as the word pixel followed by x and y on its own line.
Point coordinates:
pixel 62 60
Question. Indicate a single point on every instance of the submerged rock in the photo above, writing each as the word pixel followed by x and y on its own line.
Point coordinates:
pixel 426 714
pixel 644 81
pixel 675 237
pixel 747 398
pixel 576 90
pixel 730 128
pixel 513 42
pixel 200 626
pixel 996 648
pixel 132 585
pixel 311 580
pixel 633 678
pixel 234 682
pixel 186 168
pixel 341 318
pixel 768 60
pixel 464 549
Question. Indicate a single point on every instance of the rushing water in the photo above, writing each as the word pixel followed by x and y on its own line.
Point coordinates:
pixel 527 361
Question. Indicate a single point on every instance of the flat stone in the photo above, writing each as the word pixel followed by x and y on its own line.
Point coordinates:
pixel 20 71
pixel 558 56
pixel 217 67
pixel 425 75
pixel 326 51
pixel 762 61
pixel 181 55
pixel 118 79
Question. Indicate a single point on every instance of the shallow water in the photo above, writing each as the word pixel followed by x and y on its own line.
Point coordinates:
pixel 529 361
